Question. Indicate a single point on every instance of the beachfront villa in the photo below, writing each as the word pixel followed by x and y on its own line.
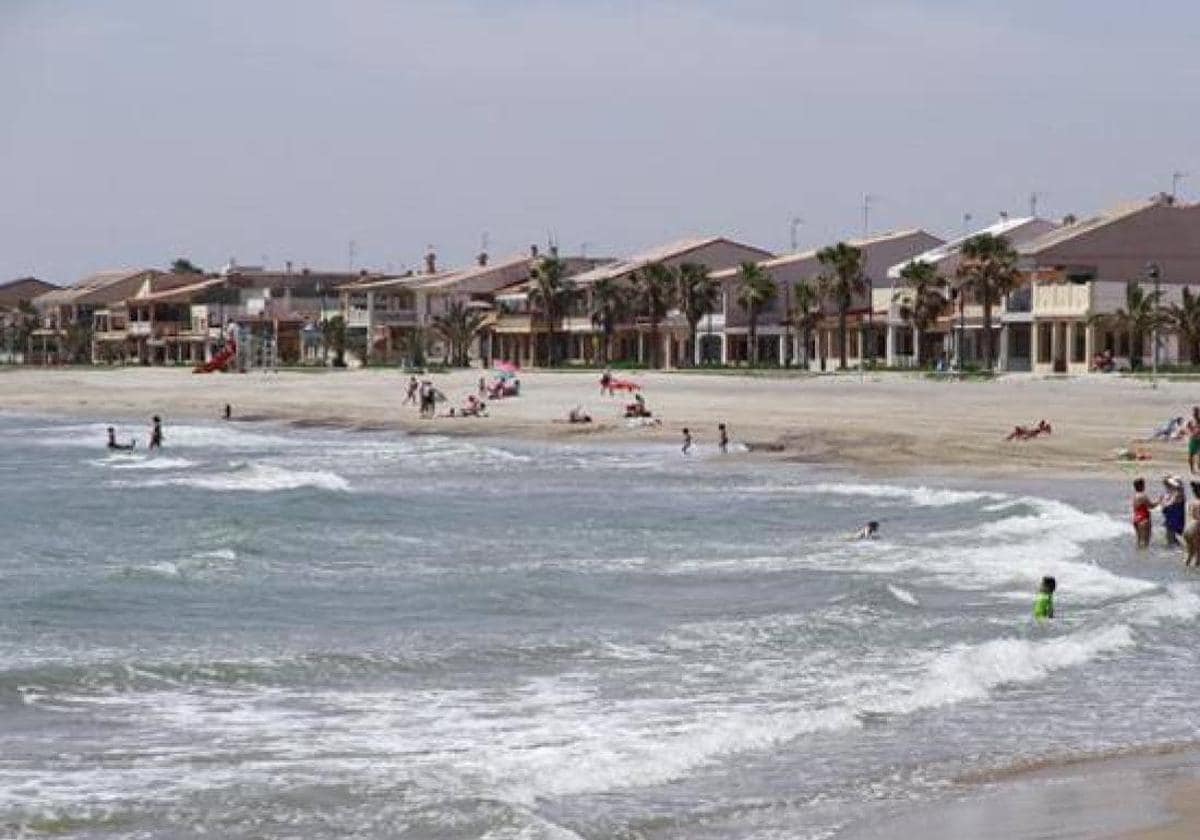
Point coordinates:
pixel 16 319
pixel 632 339
pixel 957 334
pixel 779 341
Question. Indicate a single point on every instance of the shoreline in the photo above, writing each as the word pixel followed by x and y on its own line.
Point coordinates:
pixel 889 425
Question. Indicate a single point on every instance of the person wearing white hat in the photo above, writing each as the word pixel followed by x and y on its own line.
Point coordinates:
pixel 1172 504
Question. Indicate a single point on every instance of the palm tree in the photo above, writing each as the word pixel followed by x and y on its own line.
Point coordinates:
pixel 458 326
pixel 699 295
pixel 988 271
pixel 805 312
pixel 654 292
pixel 610 306
pixel 551 295
pixel 1140 315
pixel 333 332
pixel 922 300
pixel 1185 320
pixel 756 291
pixel 842 279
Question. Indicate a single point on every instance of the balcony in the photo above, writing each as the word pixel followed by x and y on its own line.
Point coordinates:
pixel 1062 299
pixel 1020 300
pixel 138 329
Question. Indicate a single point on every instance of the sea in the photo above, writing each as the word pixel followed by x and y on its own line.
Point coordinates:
pixel 264 631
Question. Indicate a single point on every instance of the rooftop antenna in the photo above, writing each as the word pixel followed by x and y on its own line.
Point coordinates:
pixel 866 208
pixel 1176 177
pixel 795 226
pixel 351 248
pixel 1033 203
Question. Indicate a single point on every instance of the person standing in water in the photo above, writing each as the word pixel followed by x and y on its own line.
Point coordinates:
pixel 722 438
pixel 1191 531
pixel 1172 504
pixel 1141 513
pixel 1043 604
pixel 687 442
pixel 156 433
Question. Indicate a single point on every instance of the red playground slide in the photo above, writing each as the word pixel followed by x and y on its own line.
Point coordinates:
pixel 220 361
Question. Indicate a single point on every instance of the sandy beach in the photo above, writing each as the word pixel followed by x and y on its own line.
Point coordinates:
pixel 887 424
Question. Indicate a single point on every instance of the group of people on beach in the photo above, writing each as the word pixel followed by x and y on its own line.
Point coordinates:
pixel 1181 519
pixel 156 437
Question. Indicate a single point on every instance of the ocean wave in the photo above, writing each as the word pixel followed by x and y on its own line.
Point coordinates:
pixel 253 477
pixel 919 496
pixel 144 463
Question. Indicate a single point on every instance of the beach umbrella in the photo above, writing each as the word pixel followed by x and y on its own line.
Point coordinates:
pixel 506 367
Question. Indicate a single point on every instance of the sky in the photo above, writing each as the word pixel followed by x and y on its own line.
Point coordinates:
pixel 136 131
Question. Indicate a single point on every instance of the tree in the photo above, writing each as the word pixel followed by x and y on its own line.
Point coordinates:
pixel 458 326
pixel 1184 318
pixel 654 292
pixel 551 294
pixel 805 312
pixel 1140 315
pixel 77 343
pixel 182 265
pixel 988 271
pixel 756 291
pixel 699 295
pixel 840 281
pixel 922 300
pixel 333 333
pixel 610 306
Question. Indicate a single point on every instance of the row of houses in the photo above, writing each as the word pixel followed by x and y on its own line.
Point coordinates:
pixel 1070 272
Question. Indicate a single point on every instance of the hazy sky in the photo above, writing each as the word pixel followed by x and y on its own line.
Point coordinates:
pixel 133 131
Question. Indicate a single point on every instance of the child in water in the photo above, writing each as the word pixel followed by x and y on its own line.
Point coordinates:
pixel 1043 604
pixel 1141 513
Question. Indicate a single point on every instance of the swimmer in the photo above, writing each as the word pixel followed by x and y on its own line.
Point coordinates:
pixel 868 532
pixel 122 447
pixel 1043 604
pixel 722 438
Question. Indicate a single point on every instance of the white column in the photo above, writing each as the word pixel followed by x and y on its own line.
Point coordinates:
pixel 1002 356
pixel 890 351
pixel 724 349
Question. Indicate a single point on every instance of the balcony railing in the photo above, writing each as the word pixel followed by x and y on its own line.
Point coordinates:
pixel 1021 300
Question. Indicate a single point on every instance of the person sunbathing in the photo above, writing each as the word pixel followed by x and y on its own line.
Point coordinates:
pixel 1029 433
pixel 1172 429
pixel 474 407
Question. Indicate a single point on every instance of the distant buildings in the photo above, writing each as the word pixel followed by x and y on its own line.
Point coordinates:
pixel 1070 278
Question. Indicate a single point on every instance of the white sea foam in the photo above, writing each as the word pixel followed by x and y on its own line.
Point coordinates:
pixel 910 496
pixel 151 463
pixel 902 595
pixel 971 672
pixel 253 477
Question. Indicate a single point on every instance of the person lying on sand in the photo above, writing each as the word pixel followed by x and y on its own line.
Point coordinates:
pixel 577 415
pixel 1127 453
pixel 1171 430
pixel 1023 433
pixel 474 407
pixel 121 447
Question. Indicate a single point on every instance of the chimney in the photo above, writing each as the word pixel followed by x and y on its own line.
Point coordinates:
pixel 287 266
pixel 482 258
pixel 533 251
pixel 430 262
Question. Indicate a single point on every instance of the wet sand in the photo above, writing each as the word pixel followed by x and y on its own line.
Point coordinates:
pixel 887 424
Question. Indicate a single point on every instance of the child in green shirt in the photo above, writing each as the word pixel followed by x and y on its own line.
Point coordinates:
pixel 1043 604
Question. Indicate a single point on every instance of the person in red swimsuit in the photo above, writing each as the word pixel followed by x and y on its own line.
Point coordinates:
pixel 1141 512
